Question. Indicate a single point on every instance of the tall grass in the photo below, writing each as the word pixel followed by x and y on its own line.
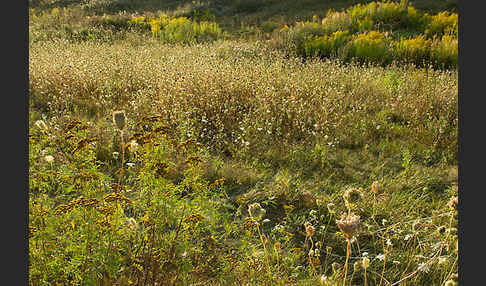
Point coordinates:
pixel 255 101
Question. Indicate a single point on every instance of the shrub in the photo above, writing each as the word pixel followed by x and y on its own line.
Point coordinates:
pixel 365 25
pixel 442 23
pixel 444 52
pixel 416 50
pixel 326 46
pixel 335 21
pixel 179 29
pixel 370 46
pixel 388 13
pixel 416 20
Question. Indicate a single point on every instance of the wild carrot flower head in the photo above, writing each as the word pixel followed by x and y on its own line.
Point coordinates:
pixel 330 208
pixel 453 202
pixel 40 124
pixel 324 280
pixel 348 224
pixel 255 210
pixel 49 158
pixel 133 145
pixel 352 195
pixel 309 230
pixel 119 119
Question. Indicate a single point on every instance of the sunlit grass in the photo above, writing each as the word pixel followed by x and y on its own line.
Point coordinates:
pixel 233 163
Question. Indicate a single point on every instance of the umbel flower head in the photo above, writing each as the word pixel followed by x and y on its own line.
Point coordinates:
pixel 309 230
pixel 49 158
pixel 452 204
pixel 324 280
pixel 256 211
pixel 40 124
pixel 348 224
pixel 353 195
pixel 133 145
pixel 119 119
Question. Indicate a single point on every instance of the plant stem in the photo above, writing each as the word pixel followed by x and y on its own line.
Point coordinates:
pixel 348 253
pixel 123 161
pixel 266 253
pixel 366 281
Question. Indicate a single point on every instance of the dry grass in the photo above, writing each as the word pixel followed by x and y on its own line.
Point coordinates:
pixel 247 96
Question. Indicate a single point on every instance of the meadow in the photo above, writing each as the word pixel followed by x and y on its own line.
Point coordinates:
pixel 235 143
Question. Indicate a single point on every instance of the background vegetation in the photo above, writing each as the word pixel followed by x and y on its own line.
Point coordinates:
pixel 240 149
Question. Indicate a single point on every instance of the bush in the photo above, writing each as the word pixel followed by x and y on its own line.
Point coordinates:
pixel 335 21
pixel 442 23
pixel 444 52
pixel 416 50
pixel 411 32
pixel 416 20
pixel 371 46
pixel 179 29
pixel 326 46
pixel 388 13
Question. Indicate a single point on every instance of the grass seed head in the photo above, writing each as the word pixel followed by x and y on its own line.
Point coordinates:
pixel 357 266
pixel 335 267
